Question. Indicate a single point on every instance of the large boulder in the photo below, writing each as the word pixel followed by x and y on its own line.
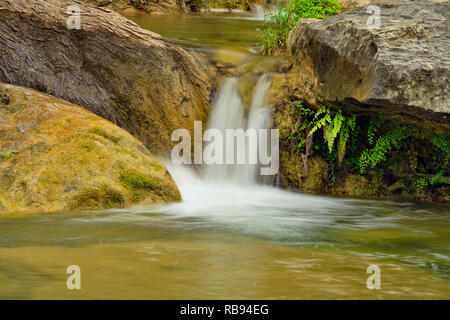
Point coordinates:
pixel 58 156
pixel 353 4
pixel 130 76
pixel 402 68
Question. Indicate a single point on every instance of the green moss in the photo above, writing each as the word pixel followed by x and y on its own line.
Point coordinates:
pixel 139 185
pixel 104 134
pixel 9 154
pixel 97 198
pixel 138 181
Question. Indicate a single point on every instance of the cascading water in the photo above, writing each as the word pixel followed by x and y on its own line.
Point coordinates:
pixel 232 199
pixel 228 113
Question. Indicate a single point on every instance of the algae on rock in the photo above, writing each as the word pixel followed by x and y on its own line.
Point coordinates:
pixel 59 156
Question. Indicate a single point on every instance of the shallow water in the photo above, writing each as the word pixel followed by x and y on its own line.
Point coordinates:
pixel 206 30
pixel 226 239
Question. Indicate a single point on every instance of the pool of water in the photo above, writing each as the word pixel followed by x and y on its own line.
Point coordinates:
pixel 228 240
pixel 205 30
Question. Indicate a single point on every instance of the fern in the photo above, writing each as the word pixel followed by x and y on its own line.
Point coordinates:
pixel 374 125
pixel 384 144
pixel 333 129
pixel 348 126
pixel 442 142
pixel 322 122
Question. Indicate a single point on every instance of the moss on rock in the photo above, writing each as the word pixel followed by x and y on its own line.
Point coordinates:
pixel 63 157
pixel 383 157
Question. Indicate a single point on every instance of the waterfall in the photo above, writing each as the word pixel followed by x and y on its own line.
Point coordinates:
pixel 228 113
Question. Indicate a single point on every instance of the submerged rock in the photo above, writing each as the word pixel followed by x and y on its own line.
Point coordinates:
pixel 57 156
pixel 401 68
pixel 130 76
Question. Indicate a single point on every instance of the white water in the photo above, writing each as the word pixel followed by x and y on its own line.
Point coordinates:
pixel 234 195
pixel 230 199
pixel 258 12
pixel 228 113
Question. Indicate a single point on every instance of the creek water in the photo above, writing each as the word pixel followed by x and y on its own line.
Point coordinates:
pixel 232 236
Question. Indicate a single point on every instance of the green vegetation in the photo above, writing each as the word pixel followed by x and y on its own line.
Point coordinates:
pixel 365 145
pixel 385 143
pixel 98 198
pixel 9 154
pixel 332 127
pixel 104 134
pixel 279 24
pixel 139 185
pixel 138 181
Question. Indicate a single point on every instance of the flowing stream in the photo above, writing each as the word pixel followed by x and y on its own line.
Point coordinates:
pixel 233 236
pixel 228 113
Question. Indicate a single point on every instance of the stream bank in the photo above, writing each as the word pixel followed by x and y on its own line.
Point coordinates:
pixel 365 112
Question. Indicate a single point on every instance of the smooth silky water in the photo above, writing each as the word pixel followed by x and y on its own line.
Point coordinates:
pixel 232 237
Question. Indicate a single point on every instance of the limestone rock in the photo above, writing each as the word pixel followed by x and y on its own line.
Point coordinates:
pixel 130 76
pixel 58 156
pixel 402 68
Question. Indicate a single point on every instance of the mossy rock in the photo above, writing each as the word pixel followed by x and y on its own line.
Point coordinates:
pixel 63 157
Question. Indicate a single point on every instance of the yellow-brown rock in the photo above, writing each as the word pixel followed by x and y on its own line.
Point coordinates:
pixel 57 156
pixel 107 64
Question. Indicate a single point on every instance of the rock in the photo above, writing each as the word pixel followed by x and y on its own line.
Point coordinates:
pixel 402 69
pixel 293 177
pixel 5 99
pixel 151 6
pixel 130 76
pixel 353 4
pixel 57 156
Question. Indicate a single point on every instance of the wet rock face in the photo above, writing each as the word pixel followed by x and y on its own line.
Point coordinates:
pixel 401 68
pixel 111 66
pixel 58 156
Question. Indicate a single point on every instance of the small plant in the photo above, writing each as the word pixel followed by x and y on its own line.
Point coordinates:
pixel 278 25
pixel 138 181
pixel 276 30
pixel 384 144
pixel 421 184
pixel 442 142
pixel 9 154
pixel 374 125
pixel 332 127
pixel 348 127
